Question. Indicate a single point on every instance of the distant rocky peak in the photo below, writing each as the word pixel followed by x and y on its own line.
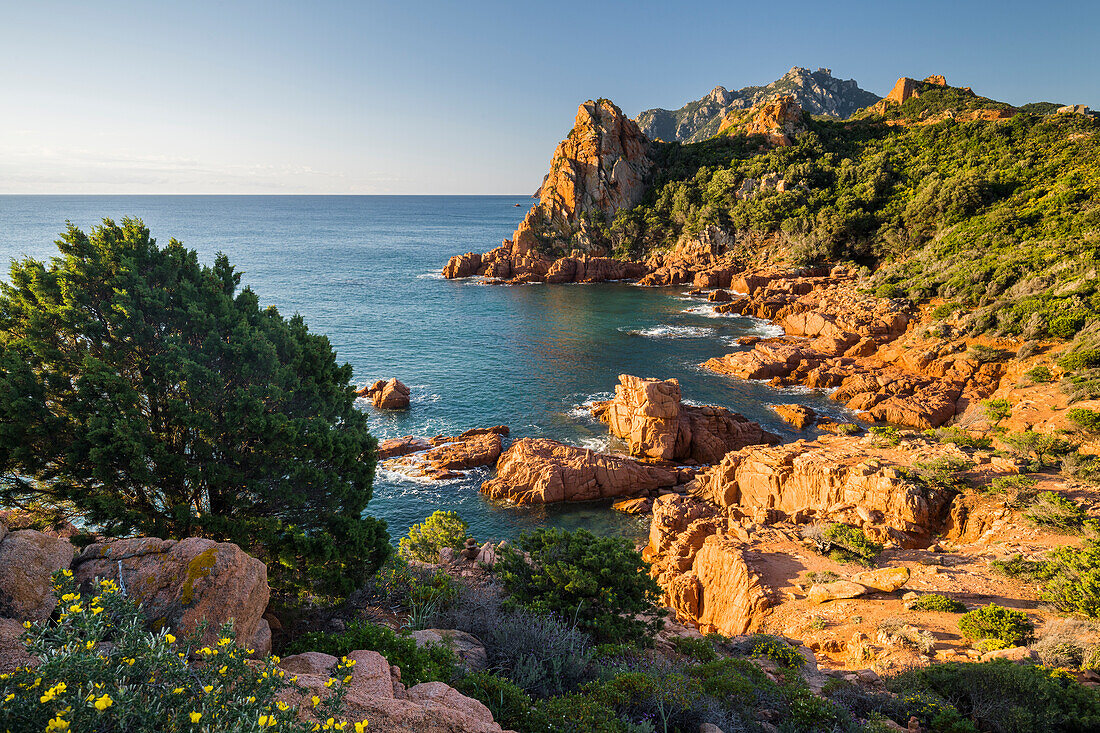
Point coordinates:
pixel 817 92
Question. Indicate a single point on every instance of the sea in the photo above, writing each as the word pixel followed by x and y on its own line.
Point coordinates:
pixel 365 271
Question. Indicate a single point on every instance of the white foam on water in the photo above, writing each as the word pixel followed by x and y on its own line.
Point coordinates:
pixel 434 276
pixel 584 409
pixel 600 444
pixel 765 329
pixel 665 331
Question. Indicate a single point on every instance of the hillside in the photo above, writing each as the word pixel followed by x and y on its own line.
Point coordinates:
pixel 817 92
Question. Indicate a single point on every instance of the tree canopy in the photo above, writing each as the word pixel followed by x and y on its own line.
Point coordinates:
pixel 144 392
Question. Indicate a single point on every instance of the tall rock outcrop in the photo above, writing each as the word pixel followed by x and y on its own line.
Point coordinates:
pixel 650 416
pixel 817 92
pixel 778 120
pixel 598 169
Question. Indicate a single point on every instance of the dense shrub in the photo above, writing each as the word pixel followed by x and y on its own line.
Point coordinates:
pixel 600 583
pixel 1004 697
pixel 146 393
pixel 997 410
pixel 1070 578
pixel 997 622
pixel 898 631
pixel 959 437
pixel 515 710
pixel 425 540
pixel 1080 359
pixel 1054 510
pixel 938 602
pixel 1087 420
pixel 942 473
pixel 775 649
pixel 418 664
pixel 1039 374
pixel 886 434
pixel 100 670
pixel 1041 448
pixel 843 543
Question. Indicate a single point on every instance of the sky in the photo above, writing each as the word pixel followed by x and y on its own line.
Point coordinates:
pixel 406 97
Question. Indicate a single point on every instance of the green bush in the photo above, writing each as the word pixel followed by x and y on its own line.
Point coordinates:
pixel 1069 578
pixel 1087 420
pixel 938 602
pixel 425 540
pixel 1041 448
pixel 1050 509
pixel 886 434
pixel 601 583
pixel 844 543
pixel 514 709
pixel 418 664
pixel 997 410
pixel 701 650
pixel 1039 374
pixel 943 473
pixel 99 670
pixel 997 622
pixel 1080 359
pixel 1002 696
pixel 777 650
pixel 959 437
pixel 986 354
pixel 150 394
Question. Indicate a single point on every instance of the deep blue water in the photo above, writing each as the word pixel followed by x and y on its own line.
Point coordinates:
pixel 364 270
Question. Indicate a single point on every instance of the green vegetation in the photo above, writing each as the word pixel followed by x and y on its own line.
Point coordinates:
pixel 142 392
pixel 600 583
pixel 1087 420
pixel 418 664
pixel 942 473
pixel 997 622
pixel 844 543
pixel 1056 511
pixel 997 410
pixel 998 696
pixel 1068 577
pixel 425 540
pixel 959 437
pixel 1039 374
pixel 997 217
pixel 886 434
pixel 938 602
pixel 100 670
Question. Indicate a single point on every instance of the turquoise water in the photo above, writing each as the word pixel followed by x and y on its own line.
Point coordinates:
pixel 364 270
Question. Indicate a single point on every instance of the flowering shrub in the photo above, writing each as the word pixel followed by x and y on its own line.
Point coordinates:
pixel 100 670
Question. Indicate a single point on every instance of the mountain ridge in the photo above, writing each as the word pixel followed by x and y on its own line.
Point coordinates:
pixel 817 92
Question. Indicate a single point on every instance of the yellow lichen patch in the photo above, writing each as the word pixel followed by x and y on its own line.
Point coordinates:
pixel 199 567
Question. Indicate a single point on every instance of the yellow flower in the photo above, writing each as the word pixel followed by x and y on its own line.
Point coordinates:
pixel 267 721
pixel 341 725
pixel 69 597
pixel 195 717
pixel 282 706
pixel 89 644
pixel 316 726
pixel 130 661
pixel 67 573
pixel 177 691
pixel 57 724
pixel 103 703
pixel 26 624
pixel 208 688
pixel 10 697
pixel 316 700
pixel 348 678
pixel 223 669
pixel 224 641
pixel 330 682
pixel 274 657
pixel 361 726
pixel 252 698
pixel 170 639
pixel 351 663
pixel 96 610
pixel 76 608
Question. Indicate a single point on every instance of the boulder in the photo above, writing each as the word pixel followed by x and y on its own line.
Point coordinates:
pixel 886 580
pixel 376 694
pixel 542 471
pixel 27 560
pixel 182 583
pixel 650 416
pixel 391 395
pixel 640 505
pixel 468 647
pixel 797 415
pixel 441 457
pixel 396 447
pixel 12 652
pixel 835 591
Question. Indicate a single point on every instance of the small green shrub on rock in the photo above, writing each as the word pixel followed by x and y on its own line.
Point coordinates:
pixel 997 410
pixel 1054 510
pixel 844 543
pixel 1087 420
pixel 600 583
pixel 1039 374
pixel 1080 359
pixel 425 540
pixel 100 670
pixel 418 664
pixel 997 622
pixel 939 602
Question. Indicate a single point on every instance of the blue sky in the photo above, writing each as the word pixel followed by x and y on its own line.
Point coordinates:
pixel 448 97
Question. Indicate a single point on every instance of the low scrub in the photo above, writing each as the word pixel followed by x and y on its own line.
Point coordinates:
pixel 1083 419
pixel 938 602
pixel 1056 511
pixel 843 543
pixel 997 622
pixel 425 540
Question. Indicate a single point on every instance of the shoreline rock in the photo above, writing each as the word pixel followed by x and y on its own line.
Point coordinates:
pixel 442 457
pixel 391 395
pixel 542 471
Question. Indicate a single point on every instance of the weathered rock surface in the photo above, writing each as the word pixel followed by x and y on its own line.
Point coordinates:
pixel 27 559
pixel 541 471
pixel 852 342
pixel 406 444
pixel 441 457
pixel 701 259
pixel 649 415
pixel 376 694
pixel 181 584
pixel 838 590
pixel 391 395
pixel 12 652
pixel 778 120
pixel 886 580
pixel 833 476
pixel 467 646
pixel 706 576
pixel 799 416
